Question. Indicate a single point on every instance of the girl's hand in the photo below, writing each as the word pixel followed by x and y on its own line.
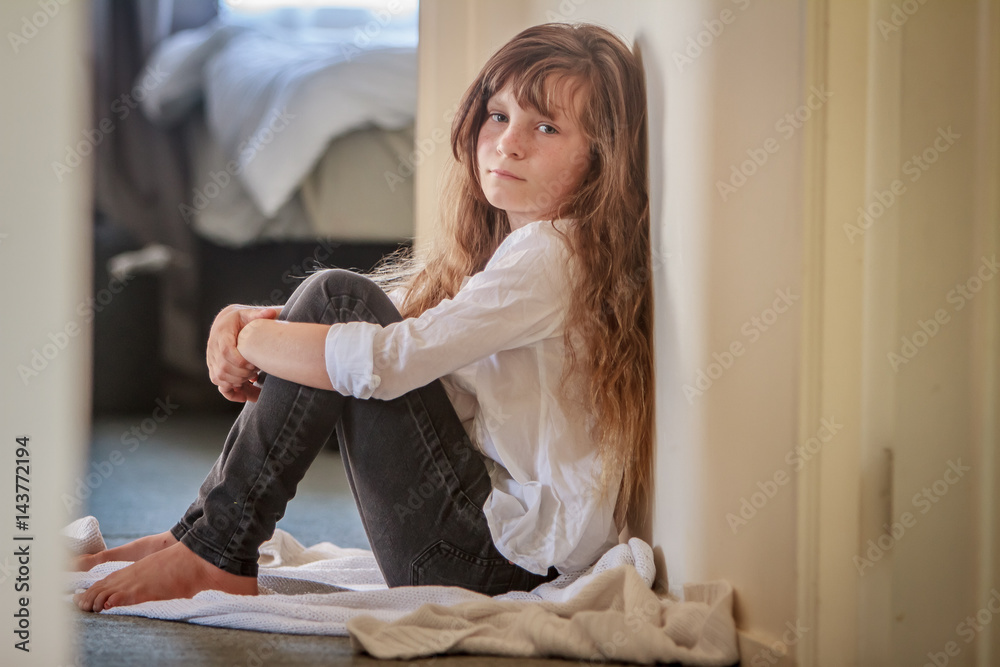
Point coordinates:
pixel 227 368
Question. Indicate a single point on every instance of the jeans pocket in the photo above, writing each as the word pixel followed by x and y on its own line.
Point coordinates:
pixel 444 564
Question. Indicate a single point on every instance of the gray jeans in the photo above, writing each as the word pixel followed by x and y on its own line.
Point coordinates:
pixel 418 481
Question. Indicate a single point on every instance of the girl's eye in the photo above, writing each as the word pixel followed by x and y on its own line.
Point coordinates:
pixel 498 117
pixel 548 129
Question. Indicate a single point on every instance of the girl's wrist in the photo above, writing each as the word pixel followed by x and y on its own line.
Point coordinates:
pixel 245 339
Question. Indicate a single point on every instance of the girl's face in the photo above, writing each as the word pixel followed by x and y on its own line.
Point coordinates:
pixel 529 163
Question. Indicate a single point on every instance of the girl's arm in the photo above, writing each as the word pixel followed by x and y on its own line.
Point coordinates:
pixel 293 351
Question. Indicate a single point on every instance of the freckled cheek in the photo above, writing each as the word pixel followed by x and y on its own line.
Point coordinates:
pixel 484 144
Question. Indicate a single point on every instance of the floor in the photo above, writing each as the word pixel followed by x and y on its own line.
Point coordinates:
pixel 158 475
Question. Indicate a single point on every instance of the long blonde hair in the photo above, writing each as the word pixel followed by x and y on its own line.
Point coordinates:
pixel 611 312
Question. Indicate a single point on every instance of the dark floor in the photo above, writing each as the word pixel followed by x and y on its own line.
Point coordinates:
pixel 155 483
pixel 146 493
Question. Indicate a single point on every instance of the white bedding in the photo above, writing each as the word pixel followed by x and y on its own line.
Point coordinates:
pixel 275 98
pixel 607 612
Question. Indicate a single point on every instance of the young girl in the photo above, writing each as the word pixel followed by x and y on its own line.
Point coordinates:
pixel 494 409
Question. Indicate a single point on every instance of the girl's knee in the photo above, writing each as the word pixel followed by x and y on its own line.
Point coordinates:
pixel 336 283
pixel 333 281
pixel 323 275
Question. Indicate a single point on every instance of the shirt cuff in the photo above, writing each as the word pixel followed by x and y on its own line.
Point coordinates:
pixel 350 358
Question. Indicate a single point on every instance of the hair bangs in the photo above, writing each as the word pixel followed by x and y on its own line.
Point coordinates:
pixel 540 83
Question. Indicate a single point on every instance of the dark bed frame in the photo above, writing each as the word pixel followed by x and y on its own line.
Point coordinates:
pixel 128 373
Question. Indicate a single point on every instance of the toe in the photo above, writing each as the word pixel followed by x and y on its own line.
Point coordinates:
pixel 97 602
pixel 85 600
pixel 116 599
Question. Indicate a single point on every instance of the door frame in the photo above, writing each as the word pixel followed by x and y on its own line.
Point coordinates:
pixel 850 296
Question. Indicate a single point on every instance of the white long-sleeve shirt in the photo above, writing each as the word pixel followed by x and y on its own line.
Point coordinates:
pixel 497 347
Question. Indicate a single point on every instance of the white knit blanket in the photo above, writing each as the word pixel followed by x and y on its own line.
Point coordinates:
pixel 608 612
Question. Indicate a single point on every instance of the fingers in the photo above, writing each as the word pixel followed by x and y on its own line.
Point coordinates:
pixel 229 367
pixel 221 353
pixel 242 393
pixel 230 380
pixel 257 314
pixel 230 383
pixel 236 395
pixel 234 363
pixel 235 379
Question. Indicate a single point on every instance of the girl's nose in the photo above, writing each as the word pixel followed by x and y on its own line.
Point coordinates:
pixel 510 144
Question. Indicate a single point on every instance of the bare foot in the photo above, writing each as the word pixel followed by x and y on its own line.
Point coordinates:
pixel 134 550
pixel 174 572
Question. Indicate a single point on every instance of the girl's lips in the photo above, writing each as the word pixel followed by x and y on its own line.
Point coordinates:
pixel 500 173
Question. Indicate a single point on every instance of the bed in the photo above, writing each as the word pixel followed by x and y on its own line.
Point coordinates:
pixel 299 143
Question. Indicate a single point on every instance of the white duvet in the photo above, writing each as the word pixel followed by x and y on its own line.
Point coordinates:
pixel 608 612
pixel 274 98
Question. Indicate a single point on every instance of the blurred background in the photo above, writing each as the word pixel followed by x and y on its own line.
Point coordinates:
pixel 825 193
pixel 238 146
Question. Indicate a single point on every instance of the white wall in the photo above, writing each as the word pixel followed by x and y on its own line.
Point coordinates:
pixel 45 241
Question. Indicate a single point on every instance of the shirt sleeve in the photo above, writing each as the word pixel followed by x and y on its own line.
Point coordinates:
pixel 519 298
